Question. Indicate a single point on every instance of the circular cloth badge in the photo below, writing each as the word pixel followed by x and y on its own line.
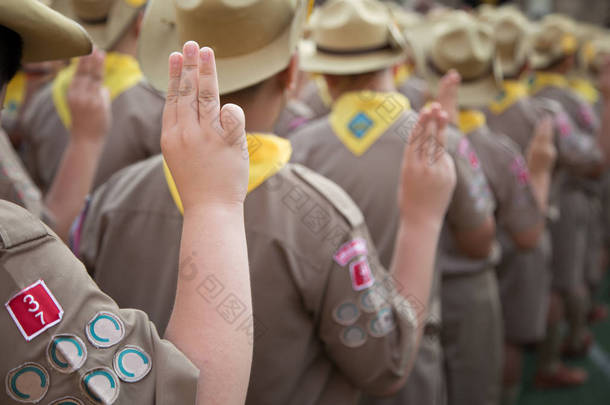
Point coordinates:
pixel 28 383
pixel 105 330
pixel 101 385
pixel 66 353
pixel 371 301
pixel 131 364
pixel 353 336
pixel 383 323
pixel 67 401
pixel 346 313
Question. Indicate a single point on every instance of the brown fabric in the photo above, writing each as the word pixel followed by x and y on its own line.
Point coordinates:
pixel 134 134
pixel 15 184
pixel 416 90
pixel 294 115
pixel 29 253
pixel 372 179
pixel 295 222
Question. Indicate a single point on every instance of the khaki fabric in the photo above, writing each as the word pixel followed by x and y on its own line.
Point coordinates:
pixel 294 115
pixel 133 136
pixel 15 184
pixel 472 338
pixel 30 252
pixel 306 349
pixel 416 90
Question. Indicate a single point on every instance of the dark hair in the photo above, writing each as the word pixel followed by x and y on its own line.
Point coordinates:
pixel 11 50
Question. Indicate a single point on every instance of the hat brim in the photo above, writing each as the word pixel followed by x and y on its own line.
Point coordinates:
pixel 105 35
pixel 46 34
pixel 159 38
pixel 312 60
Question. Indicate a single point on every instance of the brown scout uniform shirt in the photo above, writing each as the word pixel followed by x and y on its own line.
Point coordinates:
pixel 320 334
pixel 416 90
pixel 62 337
pixel 15 184
pixel 134 134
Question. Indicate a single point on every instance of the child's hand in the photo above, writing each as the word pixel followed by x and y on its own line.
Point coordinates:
pixel 204 146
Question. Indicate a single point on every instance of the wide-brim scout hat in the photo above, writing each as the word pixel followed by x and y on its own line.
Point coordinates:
pixel 252 40
pixel 553 40
pixel 594 55
pixel 46 34
pixel 352 37
pixel 512 33
pixel 105 20
pixel 405 20
pixel 458 41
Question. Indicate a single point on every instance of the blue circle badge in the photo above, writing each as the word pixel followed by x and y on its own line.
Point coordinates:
pixel 131 364
pixel 101 385
pixel 353 336
pixel 67 401
pixel 66 353
pixel 105 330
pixel 28 383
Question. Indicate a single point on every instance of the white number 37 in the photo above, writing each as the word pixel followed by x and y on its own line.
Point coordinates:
pixel 34 306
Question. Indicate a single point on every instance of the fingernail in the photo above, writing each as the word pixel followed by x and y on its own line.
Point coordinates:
pixel 205 54
pixel 190 49
pixel 175 60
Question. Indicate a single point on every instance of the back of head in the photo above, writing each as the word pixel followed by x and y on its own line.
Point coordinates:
pixel 553 40
pixel 252 40
pixel 10 55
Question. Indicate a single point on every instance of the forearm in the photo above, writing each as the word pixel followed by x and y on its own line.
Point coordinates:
pixel 72 182
pixel 414 259
pixel 541 185
pixel 213 245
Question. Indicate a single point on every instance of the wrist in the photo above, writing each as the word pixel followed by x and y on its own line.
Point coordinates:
pixel 411 219
pixel 214 208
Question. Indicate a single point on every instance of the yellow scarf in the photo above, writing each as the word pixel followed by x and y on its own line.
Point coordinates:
pixel 15 92
pixel 585 89
pixel 402 74
pixel 541 80
pixel 470 120
pixel 512 91
pixel 122 73
pixel 268 154
pixel 358 119
pixel 323 92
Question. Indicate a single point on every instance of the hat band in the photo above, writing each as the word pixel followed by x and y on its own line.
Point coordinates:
pixel 360 51
pixel 94 21
pixel 436 70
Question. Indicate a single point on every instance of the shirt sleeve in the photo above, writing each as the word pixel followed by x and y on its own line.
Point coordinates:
pixel 82 345
pixel 368 328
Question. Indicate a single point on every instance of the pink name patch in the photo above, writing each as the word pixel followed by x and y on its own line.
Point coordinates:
pixel 467 152
pixel 520 170
pixel 349 250
pixel 34 310
pixel 362 276
pixel 563 125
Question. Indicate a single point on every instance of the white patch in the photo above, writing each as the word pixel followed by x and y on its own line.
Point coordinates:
pixel 100 385
pixel 132 364
pixel 105 330
pixel 66 353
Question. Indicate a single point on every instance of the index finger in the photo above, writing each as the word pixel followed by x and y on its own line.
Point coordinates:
pixel 208 96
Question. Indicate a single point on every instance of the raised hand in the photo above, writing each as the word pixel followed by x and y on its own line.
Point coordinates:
pixel 428 172
pixel 203 144
pixel 448 93
pixel 89 100
pixel 541 152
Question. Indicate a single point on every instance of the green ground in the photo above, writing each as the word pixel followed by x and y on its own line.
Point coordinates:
pixel 597 389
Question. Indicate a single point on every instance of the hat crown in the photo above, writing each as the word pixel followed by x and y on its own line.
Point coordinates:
pixel 233 27
pixel 351 25
pixel 464 44
pixel 92 10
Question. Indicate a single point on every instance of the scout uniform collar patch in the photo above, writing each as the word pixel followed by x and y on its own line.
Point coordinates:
pixel 541 80
pixel 470 120
pixel 585 89
pixel 268 155
pixel 122 73
pixel 15 92
pixel 358 119
pixel 512 91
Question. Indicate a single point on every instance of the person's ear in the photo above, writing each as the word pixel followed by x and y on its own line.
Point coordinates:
pixel 138 24
pixel 290 75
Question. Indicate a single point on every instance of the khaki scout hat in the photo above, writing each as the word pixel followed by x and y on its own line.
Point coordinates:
pixel 512 33
pixel 351 37
pixel 46 34
pixel 554 39
pixel 105 20
pixel 594 54
pixel 252 40
pixel 458 41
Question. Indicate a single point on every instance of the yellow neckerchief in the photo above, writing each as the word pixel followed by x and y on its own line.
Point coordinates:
pixel 402 74
pixel 15 92
pixel 358 119
pixel 470 120
pixel 585 89
pixel 122 73
pixel 323 92
pixel 541 80
pixel 268 154
pixel 512 91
